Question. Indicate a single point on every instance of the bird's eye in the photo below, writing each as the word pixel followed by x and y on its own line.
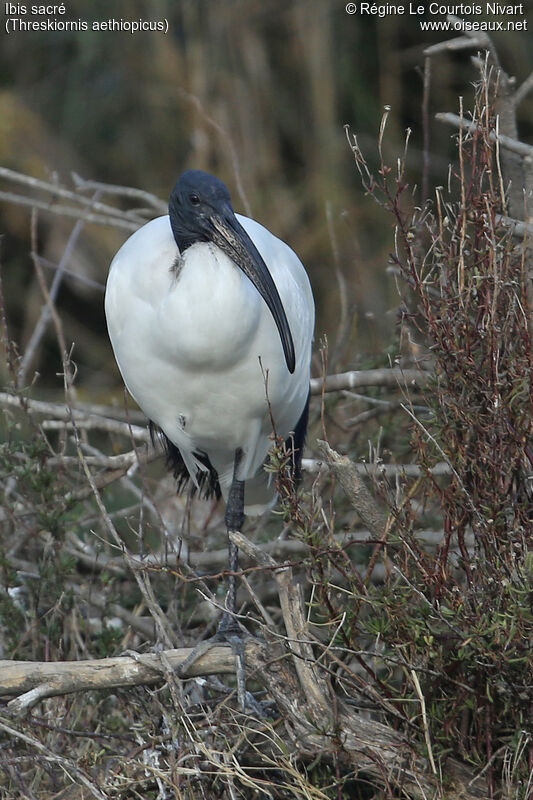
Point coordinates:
pixel 194 199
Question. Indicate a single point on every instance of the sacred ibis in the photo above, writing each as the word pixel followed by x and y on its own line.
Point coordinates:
pixel 211 321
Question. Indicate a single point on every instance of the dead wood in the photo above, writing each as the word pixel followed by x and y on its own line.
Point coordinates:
pixel 354 488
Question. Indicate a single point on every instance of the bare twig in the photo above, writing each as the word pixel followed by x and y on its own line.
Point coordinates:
pixel 426 130
pixel 229 144
pixel 314 466
pixel 115 221
pixel 165 632
pixel 46 312
pixel 294 618
pixel 392 378
pixel 83 185
pixel 62 412
pixel 356 379
pixel 514 145
pixel 56 190
pixel 468 42
pixel 523 90
pixel 518 228
pixel 70 767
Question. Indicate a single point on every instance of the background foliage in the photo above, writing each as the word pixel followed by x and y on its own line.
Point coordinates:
pixel 264 87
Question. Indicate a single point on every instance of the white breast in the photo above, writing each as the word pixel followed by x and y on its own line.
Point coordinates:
pixel 209 316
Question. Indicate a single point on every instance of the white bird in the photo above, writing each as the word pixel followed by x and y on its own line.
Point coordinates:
pixel 211 321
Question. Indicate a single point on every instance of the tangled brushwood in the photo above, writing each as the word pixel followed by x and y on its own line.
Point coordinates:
pixel 465 623
pixel 393 628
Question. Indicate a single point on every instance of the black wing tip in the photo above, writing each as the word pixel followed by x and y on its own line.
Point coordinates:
pixel 208 483
pixel 296 441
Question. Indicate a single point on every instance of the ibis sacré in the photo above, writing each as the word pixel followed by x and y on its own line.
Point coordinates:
pixel 211 321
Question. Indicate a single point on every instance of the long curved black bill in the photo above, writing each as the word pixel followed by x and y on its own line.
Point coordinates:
pixel 230 236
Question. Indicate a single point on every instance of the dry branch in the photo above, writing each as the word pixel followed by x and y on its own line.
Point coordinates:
pixel 315 723
pixel 83 185
pixel 390 378
pixel 514 156
pixel 87 209
pixel 56 190
pixel 356 379
pixel 69 211
pixel 62 411
pixel 458 43
pixel 48 308
pixel 356 491
pixel 67 765
pixel 217 559
pixel 523 90
pixel 514 145
pixel 313 466
pixel 33 681
pixel 292 605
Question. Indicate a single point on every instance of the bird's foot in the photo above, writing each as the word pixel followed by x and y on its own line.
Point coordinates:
pixel 229 632
pixel 228 627
pixel 130 654
pixel 156 648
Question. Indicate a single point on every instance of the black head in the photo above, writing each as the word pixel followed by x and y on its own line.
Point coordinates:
pixel 195 199
pixel 200 210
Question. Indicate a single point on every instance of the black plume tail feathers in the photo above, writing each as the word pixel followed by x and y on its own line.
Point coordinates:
pixel 208 484
pixel 295 442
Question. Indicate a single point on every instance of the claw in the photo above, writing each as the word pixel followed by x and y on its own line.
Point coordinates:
pixel 229 632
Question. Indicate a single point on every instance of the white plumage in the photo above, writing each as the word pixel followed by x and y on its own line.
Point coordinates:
pixel 199 350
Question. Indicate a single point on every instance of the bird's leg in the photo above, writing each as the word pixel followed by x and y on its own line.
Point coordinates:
pixel 229 629
pixel 234 519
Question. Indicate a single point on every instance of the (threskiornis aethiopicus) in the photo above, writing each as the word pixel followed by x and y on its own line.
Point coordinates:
pixel 211 320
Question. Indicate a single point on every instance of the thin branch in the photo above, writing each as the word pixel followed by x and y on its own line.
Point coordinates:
pixel 356 379
pixel 291 600
pixel 513 145
pixel 315 465
pixel 229 143
pixel 70 211
pixel 56 190
pixel 472 39
pixel 426 159
pixel 122 461
pixel 523 90
pixel 90 412
pixel 166 633
pixel 518 228
pixel 48 310
pixel 83 185
pixel 480 41
pixel 94 422
pixel 75 276
pixel 70 767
